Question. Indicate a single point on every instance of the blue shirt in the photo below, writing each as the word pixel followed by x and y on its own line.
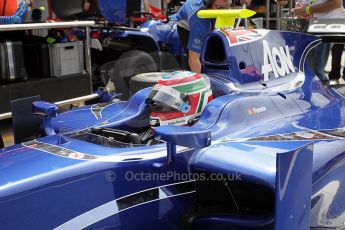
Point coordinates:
pixel 198 27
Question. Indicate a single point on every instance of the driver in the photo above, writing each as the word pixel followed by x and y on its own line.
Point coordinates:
pixel 178 98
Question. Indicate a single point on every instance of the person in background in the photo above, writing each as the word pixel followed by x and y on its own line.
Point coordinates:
pixel 135 12
pixel 318 56
pixel 145 6
pixel 337 52
pixel 8 7
pixel 192 30
pixel 335 74
pixel 90 9
pixel 259 6
pixel 172 6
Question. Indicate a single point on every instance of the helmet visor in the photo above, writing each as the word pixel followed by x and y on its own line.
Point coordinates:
pixel 164 99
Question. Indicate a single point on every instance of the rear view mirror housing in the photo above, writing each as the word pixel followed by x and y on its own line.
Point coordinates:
pixel 181 135
pixel 47 110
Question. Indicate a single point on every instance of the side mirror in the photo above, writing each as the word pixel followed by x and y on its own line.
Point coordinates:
pixel 181 135
pixel 47 110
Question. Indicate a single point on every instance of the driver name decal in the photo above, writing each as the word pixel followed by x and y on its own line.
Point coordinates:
pixel 254 111
pixel 276 60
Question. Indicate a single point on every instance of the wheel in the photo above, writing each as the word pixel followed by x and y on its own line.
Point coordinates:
pixel 2 145
pixel 129 64
pixel 97 79
pixel 144 80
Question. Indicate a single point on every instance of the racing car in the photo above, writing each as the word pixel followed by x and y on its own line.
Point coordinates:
pixel 121 50
pixel 266 153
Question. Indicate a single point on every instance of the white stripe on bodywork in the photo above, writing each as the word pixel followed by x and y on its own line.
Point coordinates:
pixel 306 51
pixel 111 208
pixel 162 194
pixel 11 61
pixel 282 190
pixel 162 152
pixel 94 109
pixel 116 158
pixel 141 157
pixel 93 216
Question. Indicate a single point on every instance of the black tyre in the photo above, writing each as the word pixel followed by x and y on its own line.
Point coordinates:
pixel 129 64
pixel 144 80
pixel 2 145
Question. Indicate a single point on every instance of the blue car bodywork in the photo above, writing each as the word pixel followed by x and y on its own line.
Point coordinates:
pixel 160 32
pixel 156 43
pixel 267 153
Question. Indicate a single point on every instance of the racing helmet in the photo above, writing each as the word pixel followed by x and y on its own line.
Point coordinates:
pixel 179 98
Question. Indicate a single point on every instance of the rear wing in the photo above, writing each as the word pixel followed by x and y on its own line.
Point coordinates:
pixel 330 30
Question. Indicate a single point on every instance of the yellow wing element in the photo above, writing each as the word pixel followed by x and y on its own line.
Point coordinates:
pixel 225 18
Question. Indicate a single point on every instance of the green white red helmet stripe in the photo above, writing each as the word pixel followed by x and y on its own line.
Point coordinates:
pixel 193 86
pixel 205 94
pixel 179 77
pixel 204 99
